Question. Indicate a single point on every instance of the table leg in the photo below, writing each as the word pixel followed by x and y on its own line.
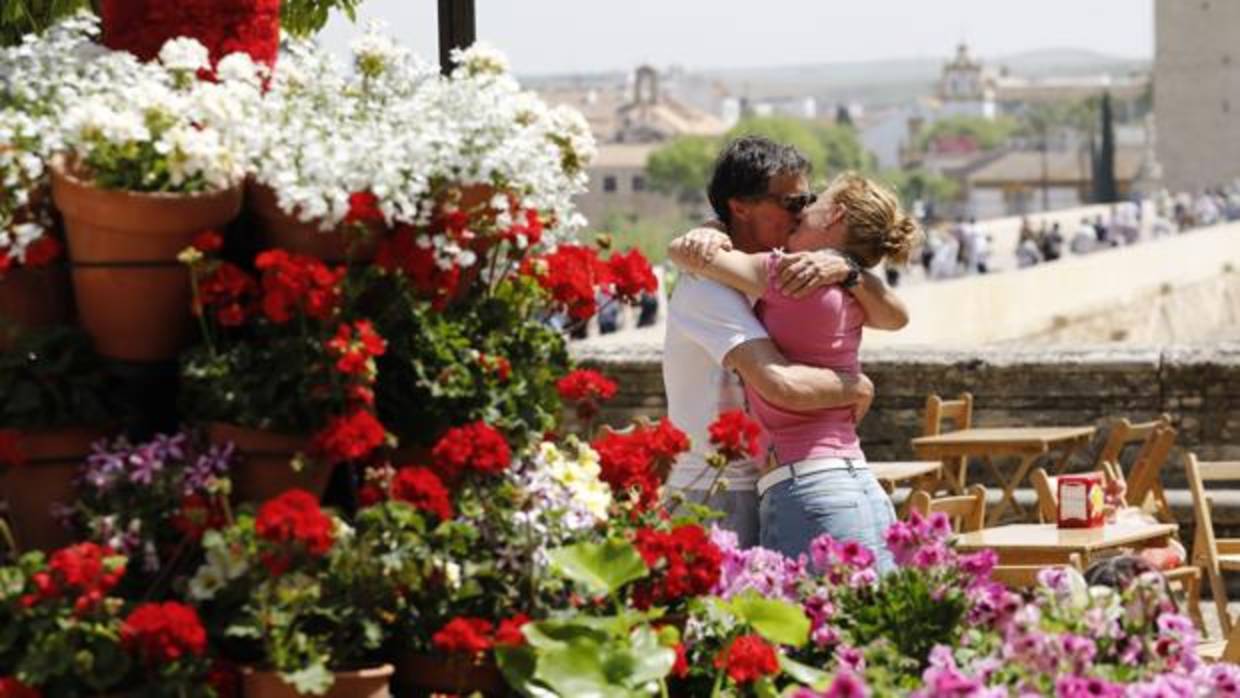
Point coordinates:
pixel 1009 489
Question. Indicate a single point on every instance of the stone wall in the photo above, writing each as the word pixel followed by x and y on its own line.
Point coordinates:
pixel 1198 387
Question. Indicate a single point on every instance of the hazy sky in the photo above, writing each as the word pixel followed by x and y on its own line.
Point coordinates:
pixel 555 36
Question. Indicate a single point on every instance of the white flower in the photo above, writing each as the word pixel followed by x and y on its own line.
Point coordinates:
pixel 185 54
pixel 239 67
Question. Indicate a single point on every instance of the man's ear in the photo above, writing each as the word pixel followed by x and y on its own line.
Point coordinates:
pixel 738 209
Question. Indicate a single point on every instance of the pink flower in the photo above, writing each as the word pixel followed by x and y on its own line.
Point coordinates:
pixel 854 554
pixel 847 685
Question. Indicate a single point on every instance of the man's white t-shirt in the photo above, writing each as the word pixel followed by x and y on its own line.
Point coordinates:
pixel 705 321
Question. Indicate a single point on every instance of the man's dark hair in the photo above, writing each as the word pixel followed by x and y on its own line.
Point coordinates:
pixel 745 168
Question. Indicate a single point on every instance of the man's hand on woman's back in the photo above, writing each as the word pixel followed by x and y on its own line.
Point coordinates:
pixel 696 248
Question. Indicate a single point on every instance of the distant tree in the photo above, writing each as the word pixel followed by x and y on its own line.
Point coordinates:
pixel 798 133
pixel 921 184
pixel 842 150
pixel 842 116
pixel 1105 189
pixel 988 133
pixel 682 167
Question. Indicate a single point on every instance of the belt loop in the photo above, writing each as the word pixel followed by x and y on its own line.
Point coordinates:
pixel 851 470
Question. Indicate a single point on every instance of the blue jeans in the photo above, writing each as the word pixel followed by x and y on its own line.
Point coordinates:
pixel 847 504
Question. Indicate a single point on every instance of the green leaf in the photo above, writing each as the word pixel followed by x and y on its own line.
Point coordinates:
pixel 603 568
pixel 803 673
pixel 777 621
pixel 577 670
pixel 652 661
pixel 313 680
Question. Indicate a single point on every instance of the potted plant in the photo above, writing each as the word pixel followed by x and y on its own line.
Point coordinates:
pixel 304 600
pixel 34 286
pixel 495 517
pixel 149 164
pixel 55 401
pixel 286 370
pixel 67 634
pixel 152 502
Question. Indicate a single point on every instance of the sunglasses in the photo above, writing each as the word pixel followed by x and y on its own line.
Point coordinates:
pixel 792 203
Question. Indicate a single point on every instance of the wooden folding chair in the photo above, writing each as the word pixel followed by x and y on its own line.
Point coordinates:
pixel 1124 434
pixel 1215 555
pixel 967 512
pixel 960 412
pixel 1144 482
pixel 1020 577
pixel 1222 650
pixel 928 474
pixel 1187 576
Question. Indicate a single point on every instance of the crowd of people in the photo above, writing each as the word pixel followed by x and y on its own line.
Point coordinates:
pixel 964 248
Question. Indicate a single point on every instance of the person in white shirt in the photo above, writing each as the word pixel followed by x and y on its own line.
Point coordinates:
pixel 714 341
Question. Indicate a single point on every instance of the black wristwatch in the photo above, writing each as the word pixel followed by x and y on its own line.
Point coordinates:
pixel 854 273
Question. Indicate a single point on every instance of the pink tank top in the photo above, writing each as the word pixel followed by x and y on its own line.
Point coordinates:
pixel 822 329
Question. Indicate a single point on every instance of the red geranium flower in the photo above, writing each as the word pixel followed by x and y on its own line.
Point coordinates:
pixel 42 251
pixel 509 631
pixel 632 276
pixel 637 461
pixel 208 241
pixel 293 283
pixel 586 389
pixel 528 231
pixel 423 489
pixel 197 515
pixel 355 346
pixel 10 448
pixel 477 446
pixel 683 562
pixel 464 634
pixel 401 253
pixel 572 274
pixel 10 687
pixel 159 633
pixel 86 567
pixel 735 435
pixel 363 208
pixel 351 436
pixel 748 659
pixel 293 519
pixel 230 292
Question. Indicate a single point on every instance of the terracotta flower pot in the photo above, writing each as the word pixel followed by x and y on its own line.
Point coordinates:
pixel 132 294
pixel 456 674
pixel 52 460
pixel 363 683
pixel 281 230
pixel 33 297
pixel 223 26
pixel 264 467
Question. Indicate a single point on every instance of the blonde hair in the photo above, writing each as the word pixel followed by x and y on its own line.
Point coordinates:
pixel 878 228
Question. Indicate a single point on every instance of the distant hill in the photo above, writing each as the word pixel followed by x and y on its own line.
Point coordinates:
pixel 878 83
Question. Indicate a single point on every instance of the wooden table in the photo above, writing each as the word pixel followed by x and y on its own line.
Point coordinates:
pixel 1025 443
pixel 1047 544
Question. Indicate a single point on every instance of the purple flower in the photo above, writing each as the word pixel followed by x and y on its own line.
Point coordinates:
pixel 853 554
pixel 929 556
pixel 847 685
pixel 850 658
pixel 144 464
pixel 821 553
pixel 1221 679
pixel 825 636
pixel 209 466
pixel 979 564
pixel 1086 687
